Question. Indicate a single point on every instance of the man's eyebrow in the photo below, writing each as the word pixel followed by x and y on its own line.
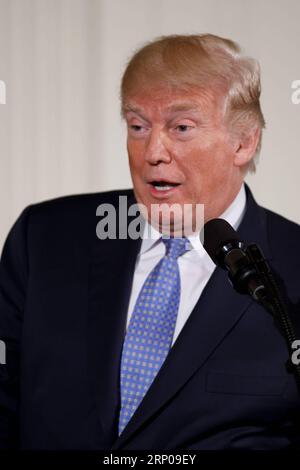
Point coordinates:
pixel 180 107
pixel 188 106
pixel 128 107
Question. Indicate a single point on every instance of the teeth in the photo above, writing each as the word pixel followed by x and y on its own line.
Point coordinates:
pixel 163 188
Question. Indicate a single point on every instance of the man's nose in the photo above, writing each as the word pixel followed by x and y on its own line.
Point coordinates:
pixel 156 148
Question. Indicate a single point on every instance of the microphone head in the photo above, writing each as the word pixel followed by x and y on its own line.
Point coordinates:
pixel 218 236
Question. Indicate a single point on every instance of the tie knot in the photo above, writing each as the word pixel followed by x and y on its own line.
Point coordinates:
pixel 175 247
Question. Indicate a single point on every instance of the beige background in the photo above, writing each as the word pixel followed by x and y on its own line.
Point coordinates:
pixel 61 60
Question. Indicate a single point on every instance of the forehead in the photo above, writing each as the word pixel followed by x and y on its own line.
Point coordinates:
pixel 165 102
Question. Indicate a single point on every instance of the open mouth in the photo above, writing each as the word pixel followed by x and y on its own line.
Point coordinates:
pixel 163 185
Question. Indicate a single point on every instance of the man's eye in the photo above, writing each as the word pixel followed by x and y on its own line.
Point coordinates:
pixel 135 127
pixel 183 127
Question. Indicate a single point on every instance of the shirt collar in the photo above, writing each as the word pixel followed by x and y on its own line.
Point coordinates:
pixel 233 215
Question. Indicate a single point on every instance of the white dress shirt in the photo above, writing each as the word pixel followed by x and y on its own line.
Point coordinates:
pixel 195 266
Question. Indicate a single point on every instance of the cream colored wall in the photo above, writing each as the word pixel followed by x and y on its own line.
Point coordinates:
pixel 61 61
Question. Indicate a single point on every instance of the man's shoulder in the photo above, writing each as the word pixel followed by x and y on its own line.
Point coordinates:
pixel 284 238
pixel 79 202
pixel 282 229
pixel 66 216
pixel 79 207
pixel 277 225
pixel 277 236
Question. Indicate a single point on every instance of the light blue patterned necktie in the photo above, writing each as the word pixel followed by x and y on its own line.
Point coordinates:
pixel 151 328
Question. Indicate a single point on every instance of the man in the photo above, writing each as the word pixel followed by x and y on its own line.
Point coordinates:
pixel 123 343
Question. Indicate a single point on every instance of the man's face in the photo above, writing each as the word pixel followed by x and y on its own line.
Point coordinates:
pixel 180 150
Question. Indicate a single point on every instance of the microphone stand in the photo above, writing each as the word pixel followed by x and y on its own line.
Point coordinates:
pixel 271 299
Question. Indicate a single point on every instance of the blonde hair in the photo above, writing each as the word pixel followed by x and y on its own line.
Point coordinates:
pixel 204 60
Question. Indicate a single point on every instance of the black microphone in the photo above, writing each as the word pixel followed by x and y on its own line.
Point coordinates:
pixel 229 252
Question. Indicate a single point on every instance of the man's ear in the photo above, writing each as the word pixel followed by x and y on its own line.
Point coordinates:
pixel 245 147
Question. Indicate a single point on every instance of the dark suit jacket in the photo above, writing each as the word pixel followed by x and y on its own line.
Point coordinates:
pixel 63 307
